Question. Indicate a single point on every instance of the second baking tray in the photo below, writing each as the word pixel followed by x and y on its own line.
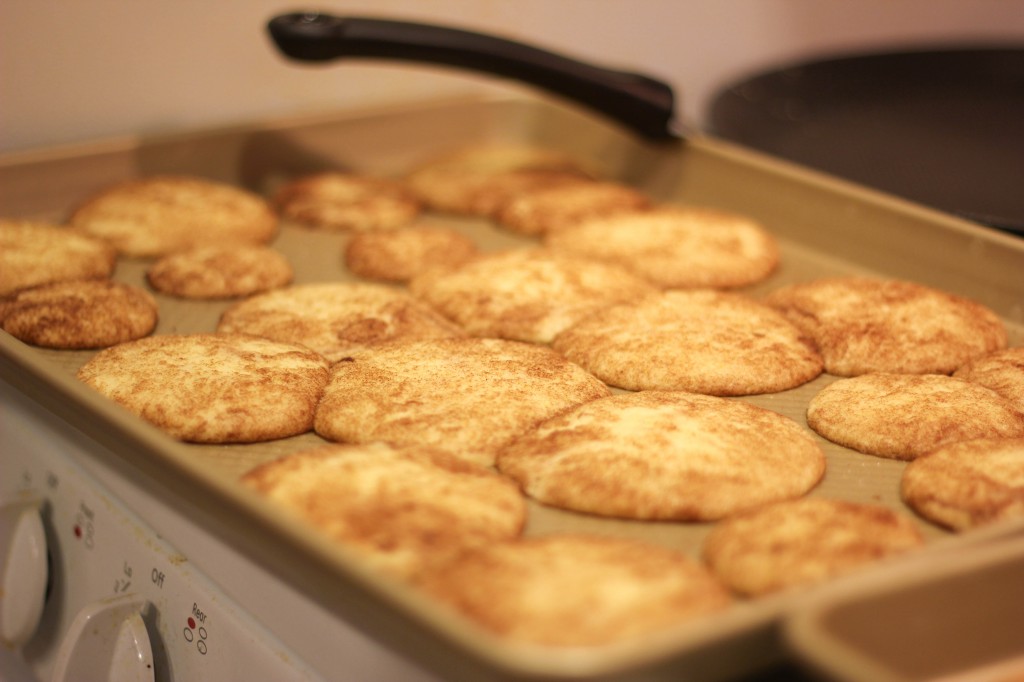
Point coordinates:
pixel 825 227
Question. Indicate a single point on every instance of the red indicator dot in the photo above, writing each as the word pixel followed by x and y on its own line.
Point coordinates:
pixel 78 531
pixel 191 623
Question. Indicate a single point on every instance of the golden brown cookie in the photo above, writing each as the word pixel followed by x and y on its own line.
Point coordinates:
pixel 153 216
pixel 347 202
pixel 545 210
pixel 492 191
pixel 78 314
pixel 703 341
pixel 399 508
pixel 967 484
pixel 677 247
pixel 664 455
pixel 468 396
pixel 453 182
pixel 804 542
pixel 212 388
pixel 210 272
pixel 866 325
pixel 336 319
pixel 399 255
pixel 575 590
pixel 1002 371
pixel 903 416
pixel 525 294
pixel 35 252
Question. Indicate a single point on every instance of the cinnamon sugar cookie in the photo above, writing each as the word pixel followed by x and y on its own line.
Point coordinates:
pixel 664 455
pixel 492 191
pixel 575 590
pixel 903 416
pixel 677 247
pixel 400 508
pixel 35 252
pixel 803 542
pixel 454 181
pixel 866 325
pixel 525 294
pixel 209 272
pixel 78 314
pixel 967 484
pixel 212 388
pixel 468 396
pixel 399 255
pixel 546 210
pixel 336 319
pixel 347 202
pixel 153 216
pixel 701 341
pixel 1002 371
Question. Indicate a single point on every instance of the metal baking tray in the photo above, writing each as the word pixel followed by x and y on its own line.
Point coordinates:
pixel 825 226
pixel 955 620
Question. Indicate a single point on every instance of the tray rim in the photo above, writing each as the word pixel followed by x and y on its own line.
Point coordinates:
pixel 210 497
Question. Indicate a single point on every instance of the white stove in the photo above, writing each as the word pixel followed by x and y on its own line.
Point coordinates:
pixel 103 595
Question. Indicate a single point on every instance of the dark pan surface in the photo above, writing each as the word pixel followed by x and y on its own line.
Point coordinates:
pixel 941 127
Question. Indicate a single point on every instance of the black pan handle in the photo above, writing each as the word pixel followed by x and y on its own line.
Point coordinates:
pixel 638 102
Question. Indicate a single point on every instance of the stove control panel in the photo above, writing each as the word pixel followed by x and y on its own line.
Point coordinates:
pixel 91 592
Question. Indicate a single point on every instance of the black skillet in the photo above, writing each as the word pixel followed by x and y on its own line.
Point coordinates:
pixel 943 127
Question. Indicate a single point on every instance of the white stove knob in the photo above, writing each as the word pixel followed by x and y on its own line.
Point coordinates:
pixel 107 642
pixel 23 571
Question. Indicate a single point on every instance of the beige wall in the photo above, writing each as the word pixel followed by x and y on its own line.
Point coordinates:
pixel 77 69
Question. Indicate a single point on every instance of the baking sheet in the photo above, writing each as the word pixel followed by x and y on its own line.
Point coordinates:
pixel 954 619
pixel 825 227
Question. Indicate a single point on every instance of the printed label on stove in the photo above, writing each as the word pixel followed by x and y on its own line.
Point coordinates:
pixel 85 525
pixel 195 630
pixel 123 581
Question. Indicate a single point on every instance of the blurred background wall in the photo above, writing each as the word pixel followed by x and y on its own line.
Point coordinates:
pixel 73 70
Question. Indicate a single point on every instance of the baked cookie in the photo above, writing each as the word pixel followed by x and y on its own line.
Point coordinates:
pixel 676 247
pixel 468 396
pixel 399 508
pixel 35 252
pixel 78 314
pixel 336 319
pixel 212 388
pixel 702 341
pixel 967 484
pixel 864 325
pixel 553 208
pixel 666 456
pixel 347 202
pixel 153 216
pixel 903 416
pixel 453 182
pixel 803 542
pixel 400 254
pixel 575 590
pixel 1002 371
pixel 525 294
pixel 492 191
pixel 223 271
